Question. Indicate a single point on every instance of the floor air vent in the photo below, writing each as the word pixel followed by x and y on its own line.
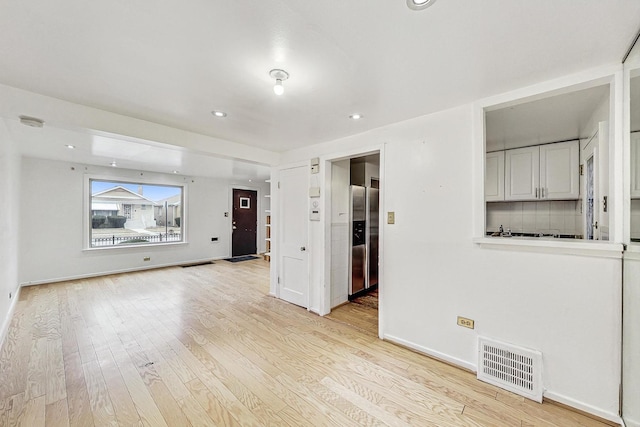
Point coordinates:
pixel 510 367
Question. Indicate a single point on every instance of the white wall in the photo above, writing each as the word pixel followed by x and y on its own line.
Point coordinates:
pixel 340 207
pixel 9 206
pixel 52 210
pixel 566 306
pixel 631 339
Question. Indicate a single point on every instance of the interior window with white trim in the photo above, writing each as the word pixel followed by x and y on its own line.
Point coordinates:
pixel 130 213
pixel 547 167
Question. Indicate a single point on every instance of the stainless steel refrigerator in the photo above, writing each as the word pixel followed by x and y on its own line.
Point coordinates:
pixel 363 238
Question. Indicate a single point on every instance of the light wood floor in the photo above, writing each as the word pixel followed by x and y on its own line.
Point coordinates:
pixel 357 315
pixel 206 346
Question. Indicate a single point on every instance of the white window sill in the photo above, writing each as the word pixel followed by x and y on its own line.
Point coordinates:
pixel 147 246
pixel 595 248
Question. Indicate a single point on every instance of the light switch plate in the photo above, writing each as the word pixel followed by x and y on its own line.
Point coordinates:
pixel 391 217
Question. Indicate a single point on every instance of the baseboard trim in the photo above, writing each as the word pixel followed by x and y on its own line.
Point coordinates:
pixel 442 357
pixel 550 397
pixel 7 320
pixel 582 408
pixel 120 271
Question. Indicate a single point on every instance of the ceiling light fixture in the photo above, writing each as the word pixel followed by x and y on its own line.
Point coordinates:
pixel 419 4
pixel 70 147
pixel 34 122
pixel 280 76
pixel 176 171
pixel 355 116
pixel 219 113
pixel 114 164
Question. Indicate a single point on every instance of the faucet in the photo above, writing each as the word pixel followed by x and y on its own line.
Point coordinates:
pixel 503 234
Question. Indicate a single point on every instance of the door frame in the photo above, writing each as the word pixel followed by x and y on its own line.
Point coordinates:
pixel 259 207
pixel 592 151
pixel 326 165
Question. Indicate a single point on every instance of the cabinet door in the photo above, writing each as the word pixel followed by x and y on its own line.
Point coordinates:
pixel 635 165
pixel 522 173
pixel 494 176
pixel 559 171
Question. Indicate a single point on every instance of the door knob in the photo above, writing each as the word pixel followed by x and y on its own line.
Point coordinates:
pixel 302 249
pixel 234 227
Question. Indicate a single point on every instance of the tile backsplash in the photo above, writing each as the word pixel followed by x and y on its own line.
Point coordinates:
pixel 549 217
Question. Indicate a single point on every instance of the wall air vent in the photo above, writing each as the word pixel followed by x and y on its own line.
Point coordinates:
pixel 512 368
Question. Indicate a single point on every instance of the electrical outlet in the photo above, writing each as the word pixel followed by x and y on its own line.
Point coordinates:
pixel 147 258
pixel 466 323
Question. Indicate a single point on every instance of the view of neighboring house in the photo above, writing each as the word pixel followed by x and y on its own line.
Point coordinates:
pixel 137 209
pixel 173 208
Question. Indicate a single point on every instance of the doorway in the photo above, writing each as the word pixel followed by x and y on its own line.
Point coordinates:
pixel 244 222
pixel 355 226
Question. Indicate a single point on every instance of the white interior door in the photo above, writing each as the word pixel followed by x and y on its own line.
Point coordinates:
pixel 293 271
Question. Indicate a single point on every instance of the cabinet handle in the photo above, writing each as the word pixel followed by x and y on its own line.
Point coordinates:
pixel 536 192
pixel 542 192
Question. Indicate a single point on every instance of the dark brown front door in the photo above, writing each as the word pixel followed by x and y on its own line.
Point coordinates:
pixel 245 222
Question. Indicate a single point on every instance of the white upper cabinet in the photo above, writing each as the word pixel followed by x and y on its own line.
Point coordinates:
pixel 522 173
pixel 560 170
pixel 545 172
pixel 635 165
pixel 494 176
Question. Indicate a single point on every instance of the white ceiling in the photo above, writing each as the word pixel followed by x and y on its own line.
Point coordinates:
pixel 173 62
pixel 128 153
pixel 553 119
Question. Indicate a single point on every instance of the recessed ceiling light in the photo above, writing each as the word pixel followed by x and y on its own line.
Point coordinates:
pixel 419 4
pixel 34 122
pixel 176 171
pixel 70 147
pixel 355 116
pixel 114 164
pixel 219 113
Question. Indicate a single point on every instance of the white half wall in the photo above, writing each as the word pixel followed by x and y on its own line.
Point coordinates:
pixel 52 215
pixel 567 306
pixel 9 227
pixel 631 339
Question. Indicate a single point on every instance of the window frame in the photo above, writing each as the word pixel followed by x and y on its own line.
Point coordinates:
pixel 611 75
pixel 123 179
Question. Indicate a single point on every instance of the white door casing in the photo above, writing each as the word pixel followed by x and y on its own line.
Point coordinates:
pixel 591 154
pixel 293 267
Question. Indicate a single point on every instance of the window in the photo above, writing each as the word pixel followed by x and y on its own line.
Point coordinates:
pixel 130 213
